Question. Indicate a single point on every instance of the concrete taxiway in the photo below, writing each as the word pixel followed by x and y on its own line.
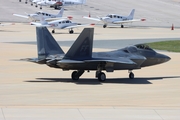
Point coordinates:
pixel 31 91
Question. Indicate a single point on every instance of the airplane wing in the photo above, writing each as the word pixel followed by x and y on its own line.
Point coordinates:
pixel 39 24
pixel 121 60
pixel 23 16
pixel 4 24
pixel 57 18
pixel 129 21
pixel 90 18
pixel 75 26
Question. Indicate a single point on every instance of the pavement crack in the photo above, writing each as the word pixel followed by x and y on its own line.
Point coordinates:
pixel 81 114
pixel 158 114
pixel 3 114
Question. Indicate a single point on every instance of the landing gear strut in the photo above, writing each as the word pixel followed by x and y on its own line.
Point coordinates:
pixel 104 26
pixel 131 75
pixel 76 74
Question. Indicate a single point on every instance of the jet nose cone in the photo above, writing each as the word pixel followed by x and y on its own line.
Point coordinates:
pixel 164 58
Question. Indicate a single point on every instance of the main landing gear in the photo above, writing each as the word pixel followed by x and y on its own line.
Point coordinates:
pixel 122 26
pixel 104 26
pixel 100 75
pixel 53 31
pixel 40 7
pixel 76 74
pixel 131 75
pixel 71 31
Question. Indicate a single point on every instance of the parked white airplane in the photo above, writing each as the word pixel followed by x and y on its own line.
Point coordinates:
pixel 60 24
pixel 72 2
pixel 57 3
pixel 46 3
pixel 116 19
pixel 36 16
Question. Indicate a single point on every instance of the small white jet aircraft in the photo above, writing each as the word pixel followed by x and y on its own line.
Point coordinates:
pixel 116 19
pixel 36 16
pixel 60 24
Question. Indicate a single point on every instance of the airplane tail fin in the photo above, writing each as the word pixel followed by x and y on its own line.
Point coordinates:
pixel 46 44
pixel 82 47
pixel 131 15
pixel 60 14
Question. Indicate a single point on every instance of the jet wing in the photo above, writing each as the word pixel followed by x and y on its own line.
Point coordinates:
pixel 75 26
pixel 23 16
pixel 128 21
pixel 90 18
pixel 121 60
pixel 69 61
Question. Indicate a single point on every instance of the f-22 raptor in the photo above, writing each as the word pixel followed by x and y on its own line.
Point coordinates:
pixel 81 58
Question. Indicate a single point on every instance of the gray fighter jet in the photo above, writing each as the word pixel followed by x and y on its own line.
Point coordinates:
pixel 80 56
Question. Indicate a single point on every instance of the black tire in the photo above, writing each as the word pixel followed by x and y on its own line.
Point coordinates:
pixel 40 7
pixel 131 75
pixel 71 32
pixel 104 26
pixel 122 26
pixel 53 31
pixel 74 75
pixel 101 77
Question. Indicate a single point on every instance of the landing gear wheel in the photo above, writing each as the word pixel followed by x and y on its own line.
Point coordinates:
pixel 25 2
pixel 101 77
pixel 31 4
pixel 19 0
pixel 71 31
pixel 122 26
pixel 104 26
pixel 131 75
pixel 74 75
pixel 53 31
pixel 36 6
pixel 40 7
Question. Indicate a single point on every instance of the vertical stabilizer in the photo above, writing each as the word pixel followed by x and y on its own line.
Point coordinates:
pixel 131 15
pixel 46 44
pixel 82 47
pixel 60 14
